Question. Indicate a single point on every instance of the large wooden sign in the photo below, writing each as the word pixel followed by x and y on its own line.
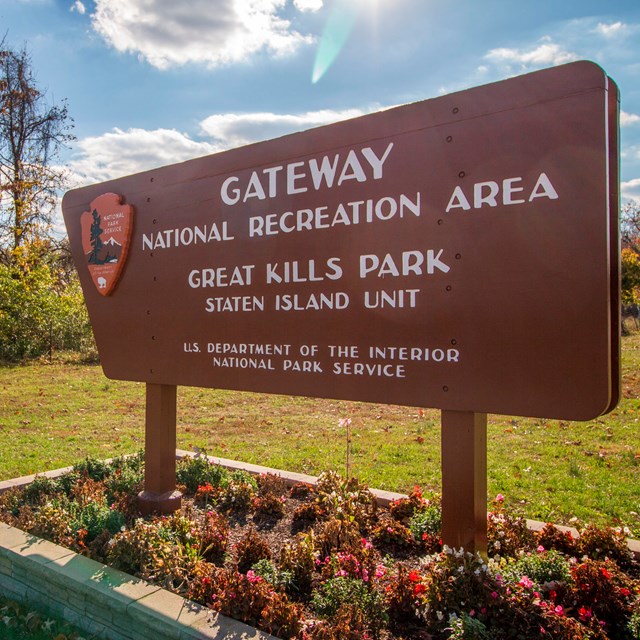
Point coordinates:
pixel 459 253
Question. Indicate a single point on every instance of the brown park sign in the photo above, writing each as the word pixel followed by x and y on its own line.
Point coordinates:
pixel 459 253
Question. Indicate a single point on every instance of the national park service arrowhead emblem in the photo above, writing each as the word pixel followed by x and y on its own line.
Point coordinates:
pixel 106 235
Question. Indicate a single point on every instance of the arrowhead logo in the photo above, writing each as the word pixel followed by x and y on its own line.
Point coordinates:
pixel 106 235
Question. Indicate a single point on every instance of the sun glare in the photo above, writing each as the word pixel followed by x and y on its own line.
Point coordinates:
pixel 340 22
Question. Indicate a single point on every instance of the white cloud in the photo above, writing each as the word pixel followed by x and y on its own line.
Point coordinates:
pixel 308 5
pixel 119 153
pixel 631 188
pixel 79 7
pixel 628 119
pixel 547 53
pixel 612 30
pixel 212 32
pixel 236 129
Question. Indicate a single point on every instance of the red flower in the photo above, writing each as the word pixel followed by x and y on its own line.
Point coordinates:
pixel 584 613
pixel 418 589
pixel 625 592
pixel 414 576
pixel 605 573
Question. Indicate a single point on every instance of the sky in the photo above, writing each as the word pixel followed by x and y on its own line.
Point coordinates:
pixel 154 82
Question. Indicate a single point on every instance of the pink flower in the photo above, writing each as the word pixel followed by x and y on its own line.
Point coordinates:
pixel 499 498
pixel 365 575
pixel 540 549
pixel 344 422
pixel 366 544
pixel 380 571
pixel 494 595
pixel 342 573
pixel 253 577
pixel 526 582
pixel 559 610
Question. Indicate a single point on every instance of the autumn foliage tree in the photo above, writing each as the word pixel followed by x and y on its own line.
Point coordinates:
pixel 630 235
pixel 41 306
pixel 32 132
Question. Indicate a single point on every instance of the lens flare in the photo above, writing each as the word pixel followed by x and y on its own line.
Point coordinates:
pixel 340 23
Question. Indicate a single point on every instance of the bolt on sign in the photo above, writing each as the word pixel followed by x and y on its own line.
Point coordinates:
pixel 459 253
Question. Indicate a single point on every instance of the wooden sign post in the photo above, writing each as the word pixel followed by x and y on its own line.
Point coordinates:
pixel 464 480
pixel 459 253
pixel 160 494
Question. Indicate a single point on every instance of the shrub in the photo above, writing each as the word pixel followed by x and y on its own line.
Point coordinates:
pixel 349 623
pixel 394 537
pixel 353 592
pixel 213 535
pixel 268 506
pixel 551 537
pixel 306 515
pixel 465 627
pixel 41 310
pixel 252 600
pixel 40 491
pixel 198 471
pixel 425 526
pixel 237 496
pixel 94 518
pixel 338 535
pixel 404 509
pixel 346 500
pixel 299 560
pixel 604 543
pixel 278 578
pixel 634 623
pixel 507 534
pixel 251 548
pixel 271 484
pixel 548 570
pixel 602 594
pixel 124 481
pixel 301 491
pixel 93 468
pixel 153 551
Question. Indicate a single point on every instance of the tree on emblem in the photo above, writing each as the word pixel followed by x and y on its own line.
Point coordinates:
pixel 96 242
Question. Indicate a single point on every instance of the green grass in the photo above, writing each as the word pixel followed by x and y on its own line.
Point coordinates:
pixel 52 415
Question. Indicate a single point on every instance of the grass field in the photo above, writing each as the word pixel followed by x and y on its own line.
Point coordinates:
pixel 52 415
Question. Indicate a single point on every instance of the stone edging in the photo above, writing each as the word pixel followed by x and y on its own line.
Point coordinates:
pixel 104 601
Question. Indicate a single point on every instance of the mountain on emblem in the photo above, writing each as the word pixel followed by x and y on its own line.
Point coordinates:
pixel 106 234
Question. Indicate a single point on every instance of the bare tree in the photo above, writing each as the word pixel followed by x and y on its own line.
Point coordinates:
pixel 32 132
pixel 630 226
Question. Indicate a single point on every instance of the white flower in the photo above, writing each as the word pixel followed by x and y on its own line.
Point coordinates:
pixel 440 616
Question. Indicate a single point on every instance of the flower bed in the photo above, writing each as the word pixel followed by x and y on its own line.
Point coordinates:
pixel 326 562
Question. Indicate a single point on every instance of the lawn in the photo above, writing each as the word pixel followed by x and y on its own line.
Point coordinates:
pixel 52 415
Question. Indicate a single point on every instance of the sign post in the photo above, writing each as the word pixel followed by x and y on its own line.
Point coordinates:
pixel 160 494
pixel 459 253
pixel 464 480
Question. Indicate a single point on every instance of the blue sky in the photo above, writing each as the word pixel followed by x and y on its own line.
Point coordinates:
pixel 152 82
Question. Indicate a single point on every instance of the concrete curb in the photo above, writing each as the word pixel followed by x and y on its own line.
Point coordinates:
pixel 104 601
